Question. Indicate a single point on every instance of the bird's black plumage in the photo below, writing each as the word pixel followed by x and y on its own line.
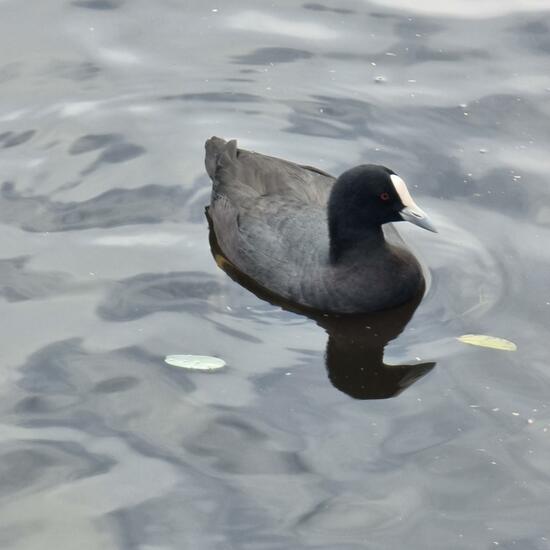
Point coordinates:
pixel 312 239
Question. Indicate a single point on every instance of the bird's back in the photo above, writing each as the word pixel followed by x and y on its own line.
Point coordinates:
pixel 269 216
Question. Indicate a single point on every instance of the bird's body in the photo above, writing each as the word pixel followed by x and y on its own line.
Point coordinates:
pixel 270 220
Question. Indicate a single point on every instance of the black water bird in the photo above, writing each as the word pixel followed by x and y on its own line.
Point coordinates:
pixel 312 239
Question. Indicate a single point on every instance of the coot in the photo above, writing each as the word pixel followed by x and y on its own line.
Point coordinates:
pixel 312 239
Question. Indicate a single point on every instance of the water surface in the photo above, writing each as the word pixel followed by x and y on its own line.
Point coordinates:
pixel 106 267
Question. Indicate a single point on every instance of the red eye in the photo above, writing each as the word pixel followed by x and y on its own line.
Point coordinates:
pixel 385 196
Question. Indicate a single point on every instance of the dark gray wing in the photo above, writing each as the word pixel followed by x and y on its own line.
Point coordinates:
pixel 269 215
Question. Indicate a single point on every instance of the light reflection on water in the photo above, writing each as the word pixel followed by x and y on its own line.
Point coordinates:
pixel 106 267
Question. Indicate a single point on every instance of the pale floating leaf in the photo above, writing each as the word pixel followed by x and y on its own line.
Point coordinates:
pixel 195 362
pixel 487 342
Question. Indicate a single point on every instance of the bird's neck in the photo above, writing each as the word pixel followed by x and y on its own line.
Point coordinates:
pixel 367 240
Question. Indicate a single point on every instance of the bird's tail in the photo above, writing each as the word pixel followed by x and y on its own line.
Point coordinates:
pixel 219 154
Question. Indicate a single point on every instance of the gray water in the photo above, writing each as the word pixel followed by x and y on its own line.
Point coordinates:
pixel 106 268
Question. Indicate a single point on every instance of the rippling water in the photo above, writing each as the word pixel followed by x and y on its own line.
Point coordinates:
pixel 105 268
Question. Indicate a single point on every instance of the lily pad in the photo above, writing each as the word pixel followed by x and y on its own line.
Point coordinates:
pixel 486 341
pixel 195 362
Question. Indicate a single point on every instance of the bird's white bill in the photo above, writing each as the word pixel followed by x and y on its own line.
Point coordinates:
pixel 411 211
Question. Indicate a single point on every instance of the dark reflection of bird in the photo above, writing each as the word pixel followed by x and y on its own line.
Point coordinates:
pixel 355 348
pixel 355 353
pixel 312 239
